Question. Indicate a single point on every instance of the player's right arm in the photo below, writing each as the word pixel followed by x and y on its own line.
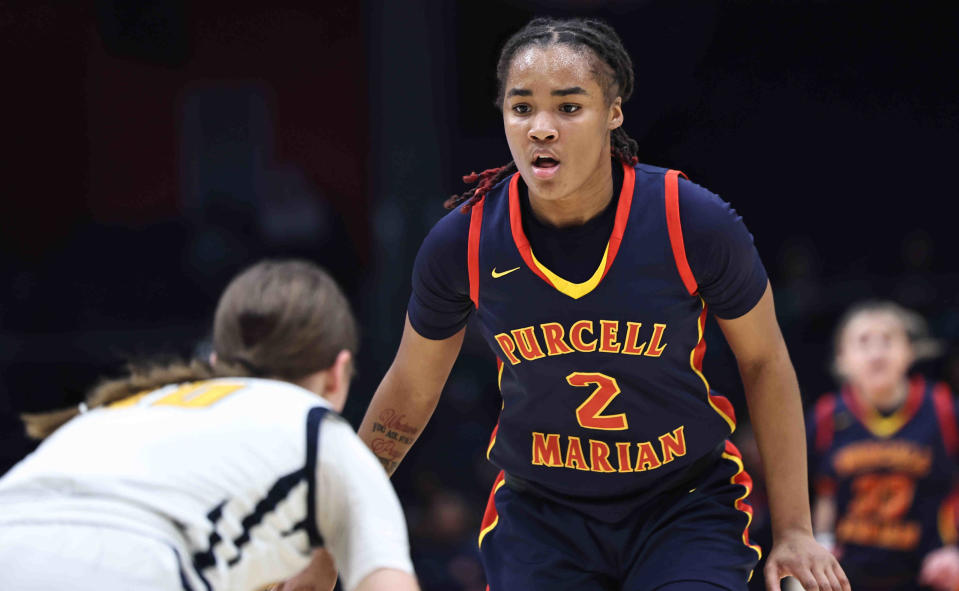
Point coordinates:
pixel 408 394
pixel 438 311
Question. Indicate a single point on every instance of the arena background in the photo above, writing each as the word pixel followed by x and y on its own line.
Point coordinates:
pixel 154 148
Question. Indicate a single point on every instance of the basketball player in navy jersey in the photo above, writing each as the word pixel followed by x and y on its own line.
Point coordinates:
pixel 884 451
pixel 589 275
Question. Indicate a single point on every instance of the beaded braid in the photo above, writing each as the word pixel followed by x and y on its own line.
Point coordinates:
pixel 614 69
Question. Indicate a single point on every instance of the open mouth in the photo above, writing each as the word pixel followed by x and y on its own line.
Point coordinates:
pixel 545 162
pixel 545 167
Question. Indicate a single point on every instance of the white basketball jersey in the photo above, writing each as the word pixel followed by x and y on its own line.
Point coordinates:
pixel 240 477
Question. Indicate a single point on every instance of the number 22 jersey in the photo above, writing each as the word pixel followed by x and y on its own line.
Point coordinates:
pixel 891 478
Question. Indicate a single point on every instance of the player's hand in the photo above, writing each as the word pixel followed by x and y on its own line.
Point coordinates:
pixel 940 569
pixel 799 555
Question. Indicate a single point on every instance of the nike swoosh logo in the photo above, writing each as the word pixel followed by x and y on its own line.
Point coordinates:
pixel 498 275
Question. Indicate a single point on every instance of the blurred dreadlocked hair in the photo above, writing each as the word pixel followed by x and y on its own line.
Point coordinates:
pixel 611 65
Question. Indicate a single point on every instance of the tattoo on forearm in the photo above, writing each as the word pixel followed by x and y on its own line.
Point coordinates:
pixel 395 431
pixel 388 465
pixel 391 425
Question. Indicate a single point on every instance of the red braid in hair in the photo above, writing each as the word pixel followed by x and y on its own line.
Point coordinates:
pixel 613 69
pixel 483 182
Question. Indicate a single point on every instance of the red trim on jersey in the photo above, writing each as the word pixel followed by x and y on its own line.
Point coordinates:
pixel 945 412
pixel 720 403
pixel 825 422
pixel 725 406
pixel 516 226
pixel 499 383
pixel 947 518
pixel 699 352
pixel 492 439
pixel 870 417
pixel 622 215
pixel 619 226
pixel 472 249
pixel 742 478
pixel 491 516
pixel 675 228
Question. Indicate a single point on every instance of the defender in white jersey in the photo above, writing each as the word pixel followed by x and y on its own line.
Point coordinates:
pixel 215 479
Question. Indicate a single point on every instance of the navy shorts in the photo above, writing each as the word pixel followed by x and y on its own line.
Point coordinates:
pixel 696 534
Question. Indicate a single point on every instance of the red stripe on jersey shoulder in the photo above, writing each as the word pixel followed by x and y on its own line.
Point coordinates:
pixel 675 228
pixel 622 215
pixel 472 249
pixel 945 411
pixel 825 422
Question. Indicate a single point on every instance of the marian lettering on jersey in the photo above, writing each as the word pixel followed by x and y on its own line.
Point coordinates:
pixel 584 336
pixel 597 456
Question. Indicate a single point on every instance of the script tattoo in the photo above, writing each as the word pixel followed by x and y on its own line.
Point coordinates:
pixel 395 431
pixel 391 425
pixel 385 450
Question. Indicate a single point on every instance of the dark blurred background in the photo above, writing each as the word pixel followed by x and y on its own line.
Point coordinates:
pixel 151 149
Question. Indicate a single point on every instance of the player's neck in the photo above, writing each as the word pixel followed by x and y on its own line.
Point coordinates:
pixel 580 205
pixel 888 399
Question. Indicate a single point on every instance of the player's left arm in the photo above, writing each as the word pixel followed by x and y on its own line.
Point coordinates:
pixel 772 393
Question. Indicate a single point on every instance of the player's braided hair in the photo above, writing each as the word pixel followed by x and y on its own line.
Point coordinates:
pixel 613 69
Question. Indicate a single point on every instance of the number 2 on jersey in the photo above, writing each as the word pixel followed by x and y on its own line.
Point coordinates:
pixel 589 413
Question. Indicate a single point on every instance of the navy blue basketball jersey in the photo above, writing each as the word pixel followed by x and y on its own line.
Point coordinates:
pixel 892 478
pixel 604 398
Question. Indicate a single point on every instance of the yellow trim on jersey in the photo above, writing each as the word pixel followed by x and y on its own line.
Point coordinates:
pixel 749 517
pixel 881 426
pixel 490 527
pixel 573 290
pixel 692 353
pixel 499 383
pixel 130 400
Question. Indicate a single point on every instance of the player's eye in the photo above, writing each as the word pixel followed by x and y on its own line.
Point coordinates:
pixel 569 108
pixel 522 109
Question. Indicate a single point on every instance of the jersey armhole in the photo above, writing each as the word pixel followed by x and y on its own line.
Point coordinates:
pixel 313 422
pixel 675 229
pixel 472 250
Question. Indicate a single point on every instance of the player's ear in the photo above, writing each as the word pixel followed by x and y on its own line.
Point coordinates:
pixel 615 114
pixel 338 378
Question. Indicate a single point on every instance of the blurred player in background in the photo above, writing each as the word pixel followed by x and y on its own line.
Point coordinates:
pixel 617 472
pixel 884 451
pixel 225 475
